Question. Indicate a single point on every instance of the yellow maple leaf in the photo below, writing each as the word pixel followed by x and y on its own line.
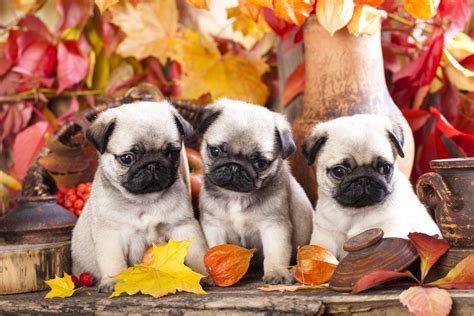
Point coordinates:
pixel 246 24
pixel 60 287
pixel 421 9
pixel 166 274
pixel 150 27
pixel 103 5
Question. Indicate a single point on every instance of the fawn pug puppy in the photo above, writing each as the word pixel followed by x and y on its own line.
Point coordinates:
pixel 249 196
pixel 359 183
pixel 137 196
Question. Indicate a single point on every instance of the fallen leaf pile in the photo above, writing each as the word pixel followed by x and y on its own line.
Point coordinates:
pixel 61 287
pixel 227 264
pixel 314 265
pixel 166 274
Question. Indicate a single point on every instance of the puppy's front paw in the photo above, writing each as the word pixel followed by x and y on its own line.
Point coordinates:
pixel 282 276
pixel 107 285
pixel 207 282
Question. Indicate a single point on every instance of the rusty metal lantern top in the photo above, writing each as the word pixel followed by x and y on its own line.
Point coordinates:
pixel 36 220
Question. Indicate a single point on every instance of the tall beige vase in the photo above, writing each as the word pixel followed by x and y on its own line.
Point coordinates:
pixel 344 76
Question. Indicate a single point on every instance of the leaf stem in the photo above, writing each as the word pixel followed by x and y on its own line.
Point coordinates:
pixel 407 22
pixel 33 94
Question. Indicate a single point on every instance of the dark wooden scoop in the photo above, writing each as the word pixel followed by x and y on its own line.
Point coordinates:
pixel 369 251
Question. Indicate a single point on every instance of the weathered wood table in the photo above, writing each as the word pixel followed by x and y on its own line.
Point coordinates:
pixel 242 299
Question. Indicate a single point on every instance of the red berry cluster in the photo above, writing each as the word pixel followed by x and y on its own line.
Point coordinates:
pixel 85 279
pixel 75 199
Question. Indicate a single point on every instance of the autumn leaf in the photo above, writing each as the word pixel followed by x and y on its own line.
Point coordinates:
pixel 293 11
pixel 459 277
pixel 73 14
pixel 421 9
pixel 165 275
pixel 333 15
pixel 314 265
pixel 422 301
pixel 103 5
pixel 200 4
pixel 252 9
pixel 247 25
pixel 365 21
pixel 430 249
pixel 294 84
pixel 9 181
pixel 291 288
pixel 60 287
pixel 378 277
pixel 150 28
pixel 72 66
pixel 227 264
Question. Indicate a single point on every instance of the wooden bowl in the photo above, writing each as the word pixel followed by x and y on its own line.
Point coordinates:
pixel 369 251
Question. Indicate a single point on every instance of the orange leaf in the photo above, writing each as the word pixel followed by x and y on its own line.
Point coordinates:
pixel 200 4
pixel 333 15
pixel 293 11
pixel 315 265
pixel 427 301
pixel 373 3
pixel 227 264
pixel 250 9
pixel 430 249
pixel 294 84
pixel 460 277
pixel 421 9
pixel 378 277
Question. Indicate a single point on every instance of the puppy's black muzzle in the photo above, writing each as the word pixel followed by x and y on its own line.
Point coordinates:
pixel 151 175
pixel 361 191
pixel 234 176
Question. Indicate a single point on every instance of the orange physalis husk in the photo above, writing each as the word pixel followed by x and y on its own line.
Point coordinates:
pixel 315 265
pixel 227 264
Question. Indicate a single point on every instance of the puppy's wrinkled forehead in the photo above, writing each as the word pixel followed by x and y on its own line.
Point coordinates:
pixel 149 124
pixel 244 127
pixel 360 139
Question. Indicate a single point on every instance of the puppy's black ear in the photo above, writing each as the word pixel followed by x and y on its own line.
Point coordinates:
pixel 396 138
pixel 185 129
pixel 312 145
pixel 284 138
pixel 100 131
pixel 205 118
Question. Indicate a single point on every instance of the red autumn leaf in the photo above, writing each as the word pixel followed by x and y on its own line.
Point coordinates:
pixel 430 249
pixel 373 3
pixel 416 118
pixel 27 145
pixel 73 109
pixel 378 277
pixel 422 301
pixel 460 277
pixel 38 60
pixel 111 34
pixel 456 13
pixel 463 140
pixel 418 73
pixel 73 13
pixel 35 25
pixel 9 83
pixel 13 119
pixel 390 60
pixel 294 85
pixel 468 62
pixel 72 66
pixel 280 27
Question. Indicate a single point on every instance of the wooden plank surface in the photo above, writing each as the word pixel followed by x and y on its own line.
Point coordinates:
pixel 239 300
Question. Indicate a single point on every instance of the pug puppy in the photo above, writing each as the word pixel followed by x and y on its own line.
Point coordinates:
pixel 249 196
pixel 138 196
pixel 359 183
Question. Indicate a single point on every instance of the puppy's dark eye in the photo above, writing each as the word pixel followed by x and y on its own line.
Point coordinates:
pixel 127 158
pixel 174 154
pixel 214 151
pixel 386 169
pixel 339 172
pixel 261 163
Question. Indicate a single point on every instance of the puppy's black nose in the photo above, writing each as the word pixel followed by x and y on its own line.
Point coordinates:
pixel 151 167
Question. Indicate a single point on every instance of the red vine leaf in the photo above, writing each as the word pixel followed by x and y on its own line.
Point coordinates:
pixel 294 84
pixel 73 14
pixel 72 66
pixel 378 277
pixel 430 249
pixel 456 13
